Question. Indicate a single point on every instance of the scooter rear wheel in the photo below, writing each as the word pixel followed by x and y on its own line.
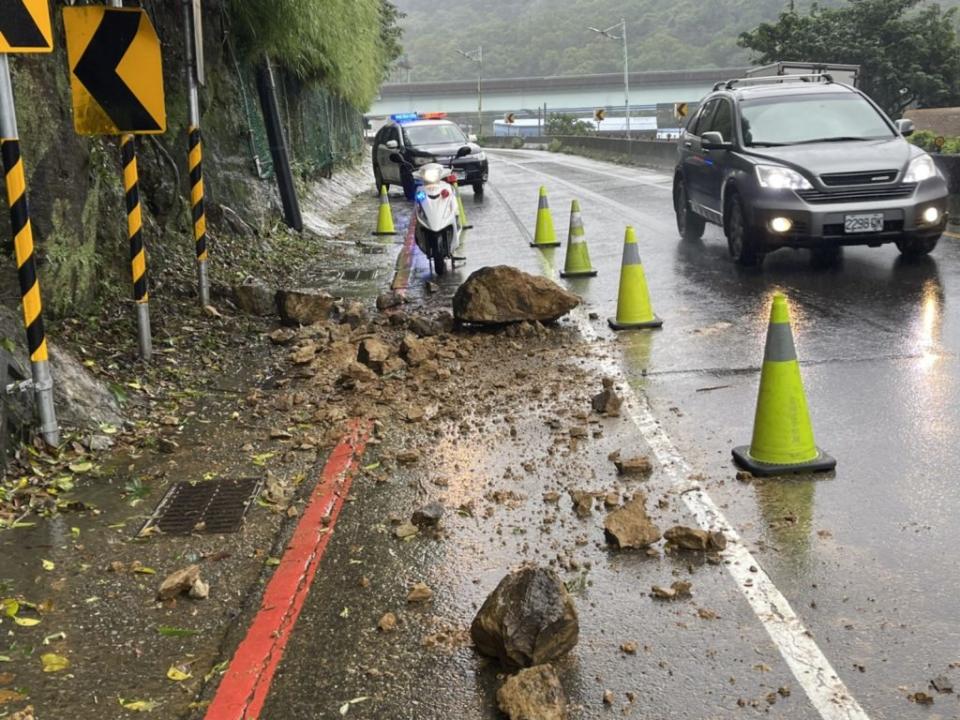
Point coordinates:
pixel 436 252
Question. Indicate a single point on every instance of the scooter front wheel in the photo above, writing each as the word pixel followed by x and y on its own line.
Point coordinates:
pixel 436 252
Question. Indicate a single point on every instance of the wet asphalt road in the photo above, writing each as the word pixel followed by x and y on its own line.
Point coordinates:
pixel 865 556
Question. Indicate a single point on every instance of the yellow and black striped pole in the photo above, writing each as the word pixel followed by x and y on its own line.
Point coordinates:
pixel 138 253
pixel 198 213
pixel 22 231
pixel 195 156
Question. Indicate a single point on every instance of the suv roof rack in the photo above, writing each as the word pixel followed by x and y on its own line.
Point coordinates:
pixel 771 79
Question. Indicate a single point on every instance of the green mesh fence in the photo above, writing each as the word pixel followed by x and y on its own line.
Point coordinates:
pixel 322 130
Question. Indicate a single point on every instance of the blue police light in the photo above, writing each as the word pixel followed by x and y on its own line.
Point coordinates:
pixel 404 117
pixel 421 196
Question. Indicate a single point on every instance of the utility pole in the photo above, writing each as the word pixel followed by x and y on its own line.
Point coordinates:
pixel 477 57
pixel 626 62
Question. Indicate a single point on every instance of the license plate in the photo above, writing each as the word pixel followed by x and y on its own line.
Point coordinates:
pixel 461 175
pixel 863 223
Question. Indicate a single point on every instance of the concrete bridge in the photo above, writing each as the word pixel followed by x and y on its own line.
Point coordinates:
pixel 577 94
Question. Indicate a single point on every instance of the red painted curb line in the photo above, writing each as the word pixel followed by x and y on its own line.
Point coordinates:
pixel 401 279
pixel 245 686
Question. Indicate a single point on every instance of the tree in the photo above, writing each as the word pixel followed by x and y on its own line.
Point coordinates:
pixel 566 125
pixel 907 50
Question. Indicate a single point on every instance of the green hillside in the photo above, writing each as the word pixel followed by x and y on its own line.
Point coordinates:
pixel 549 37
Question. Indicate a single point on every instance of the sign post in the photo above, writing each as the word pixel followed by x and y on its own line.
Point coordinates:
pixel 116 75
pixel 191 13
pixel 25 28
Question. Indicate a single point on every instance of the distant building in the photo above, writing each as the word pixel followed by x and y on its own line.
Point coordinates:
pixel 939 121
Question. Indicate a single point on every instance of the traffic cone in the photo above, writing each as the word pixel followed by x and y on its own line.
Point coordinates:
pixel 463 212
pixel 782 433
pixel 385 216
pixel 577 263
pixel 544 235
pixel 633 301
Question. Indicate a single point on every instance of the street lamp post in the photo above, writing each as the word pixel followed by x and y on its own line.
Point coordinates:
pixel 477 57
pixel 626 62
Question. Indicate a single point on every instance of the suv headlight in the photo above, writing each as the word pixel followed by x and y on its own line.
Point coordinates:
pixel 920 168
pixel 481 156
pixel 776 177
pixel 419 160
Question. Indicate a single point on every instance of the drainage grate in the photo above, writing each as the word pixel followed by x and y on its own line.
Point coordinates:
pixel 211 506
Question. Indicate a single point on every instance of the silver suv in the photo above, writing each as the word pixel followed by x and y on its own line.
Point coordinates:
pixel 804 162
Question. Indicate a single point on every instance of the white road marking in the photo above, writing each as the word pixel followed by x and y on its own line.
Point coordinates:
pixel 827 692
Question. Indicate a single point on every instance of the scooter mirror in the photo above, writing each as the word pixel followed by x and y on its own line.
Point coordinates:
pixel 464 151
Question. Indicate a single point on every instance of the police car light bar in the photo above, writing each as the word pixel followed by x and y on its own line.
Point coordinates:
pixel 404 117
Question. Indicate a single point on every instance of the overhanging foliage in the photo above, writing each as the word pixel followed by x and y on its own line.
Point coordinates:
pixel 346 44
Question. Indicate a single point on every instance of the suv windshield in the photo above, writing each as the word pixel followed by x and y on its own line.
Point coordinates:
pixel 785 120
pixel 442 134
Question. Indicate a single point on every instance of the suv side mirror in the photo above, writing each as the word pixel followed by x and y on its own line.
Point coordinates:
pixel 713 141
pixel 905 127
pixel 464 151
pixel 396 157
pixel 392 145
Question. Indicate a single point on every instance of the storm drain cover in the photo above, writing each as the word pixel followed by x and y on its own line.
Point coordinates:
pixel 211 506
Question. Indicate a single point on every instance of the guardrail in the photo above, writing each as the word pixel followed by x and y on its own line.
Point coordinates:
pixel 659 154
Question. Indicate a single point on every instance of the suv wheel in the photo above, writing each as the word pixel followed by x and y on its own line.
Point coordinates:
pixel 478 188
pixel 917 247
pixel 378 178
pixel 742 240
pixel 689 224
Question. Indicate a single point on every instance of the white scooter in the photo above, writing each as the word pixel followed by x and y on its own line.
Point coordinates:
pixel 438 214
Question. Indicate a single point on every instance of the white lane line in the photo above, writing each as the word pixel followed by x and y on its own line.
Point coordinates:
pixel 827 692
pixel 659 181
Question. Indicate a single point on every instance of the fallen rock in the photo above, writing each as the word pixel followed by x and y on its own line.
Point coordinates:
pixel 179 582
pixel 420 592
pixel 608 697
pixel 388 623
pixel 416 351
pixel 582 502
pixel 427 516
pixel 689 538
pixel 678 589
pixel 503 294
pixel 529 619
pixel 304 354
pixel 374 352
pixel 408 457
pixel 406 530
pixel 423 327
pixel 636 466
pixel 389 300
pixel 356 372
pixel 283 336
pixel 99 443
pixel 630 526
pixel 354 314
pixel 199 590
pixel 254 298
pixel 533 694
pixel 607 402
pixel 304 306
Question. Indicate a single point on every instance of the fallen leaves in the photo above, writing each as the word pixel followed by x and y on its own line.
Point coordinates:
pixel 54 663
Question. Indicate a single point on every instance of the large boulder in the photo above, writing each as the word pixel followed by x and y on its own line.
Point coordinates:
pixel 530 619
pixel 255 298
pixel 533 694
pixel 503 294
pixel 304 306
